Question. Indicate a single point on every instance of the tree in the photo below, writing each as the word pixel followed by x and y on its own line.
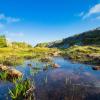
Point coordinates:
pixel 3 42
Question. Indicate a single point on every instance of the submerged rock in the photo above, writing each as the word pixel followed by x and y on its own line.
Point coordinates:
pixel 96 68
pixel 30 65
pixel 55 66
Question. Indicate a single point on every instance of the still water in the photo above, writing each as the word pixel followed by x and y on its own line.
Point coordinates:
pixel 71 81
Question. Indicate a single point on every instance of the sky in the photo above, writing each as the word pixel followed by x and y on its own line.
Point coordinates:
pixel 35 21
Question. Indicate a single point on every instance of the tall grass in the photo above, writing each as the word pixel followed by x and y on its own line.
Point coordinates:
pixel 3 75
pixel 24 89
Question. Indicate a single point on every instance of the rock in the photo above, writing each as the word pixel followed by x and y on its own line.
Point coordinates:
pixel 44 69
pixel 96 68
pixel 14 73
pixel 3 68
pixel 29 65
pixel 45 59
pixel 56 53
pixel 55 66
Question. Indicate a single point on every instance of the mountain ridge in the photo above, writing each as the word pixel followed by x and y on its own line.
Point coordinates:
pixel 91 37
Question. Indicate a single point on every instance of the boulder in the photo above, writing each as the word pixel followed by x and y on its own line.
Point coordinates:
pixel 14 73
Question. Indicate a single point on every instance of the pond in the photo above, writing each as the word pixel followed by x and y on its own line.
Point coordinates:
pixel 71 81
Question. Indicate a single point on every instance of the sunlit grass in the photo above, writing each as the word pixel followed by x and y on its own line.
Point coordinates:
pixel 20 90
pixel 79 53
pixel 3 75
pixel 12 56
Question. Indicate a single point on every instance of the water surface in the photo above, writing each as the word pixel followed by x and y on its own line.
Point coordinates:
pixel 71 81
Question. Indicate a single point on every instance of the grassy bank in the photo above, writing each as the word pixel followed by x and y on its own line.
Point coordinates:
pixel 14 56
pixel 84 54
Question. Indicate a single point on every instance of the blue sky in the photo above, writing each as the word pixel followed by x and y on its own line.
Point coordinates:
pixel 36 21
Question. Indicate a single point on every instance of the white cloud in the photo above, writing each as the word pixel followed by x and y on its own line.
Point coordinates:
pixel 8 19
pixel 94 10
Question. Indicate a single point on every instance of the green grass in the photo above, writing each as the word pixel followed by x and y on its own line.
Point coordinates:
pixel 79 53
pixel 11 56
pixel 19 92
pixel 3 75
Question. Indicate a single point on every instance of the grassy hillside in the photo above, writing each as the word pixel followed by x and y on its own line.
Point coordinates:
pixel 42 45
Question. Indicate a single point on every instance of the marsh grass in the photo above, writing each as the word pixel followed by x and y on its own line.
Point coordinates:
pixel 11 56
pixel 4 75
pixel 79 53
pixel 19 91
pixel 21 86
pixel 24 88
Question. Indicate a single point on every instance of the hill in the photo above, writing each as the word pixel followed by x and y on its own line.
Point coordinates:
pixel 91 37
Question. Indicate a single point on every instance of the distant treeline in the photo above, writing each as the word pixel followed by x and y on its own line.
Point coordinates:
pixel 5 43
